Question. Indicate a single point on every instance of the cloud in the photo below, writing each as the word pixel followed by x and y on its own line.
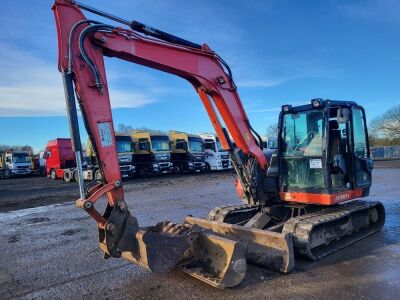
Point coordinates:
pixel 277 108
pixel 272 109
pixel 261 82
pixel 273 71
pixel 381 10
pixel 31 86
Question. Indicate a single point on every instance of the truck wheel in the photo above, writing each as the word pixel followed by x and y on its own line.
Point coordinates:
pixel 142 172
pixel 68 176
pixel 97 175
pixel 178 169
pixel 53 174
pixel 76 177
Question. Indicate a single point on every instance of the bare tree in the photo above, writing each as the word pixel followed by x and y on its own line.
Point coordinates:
pixel 26 148
pixel 127 129
pixel 387 126
pixel 272 130
pixel 122 128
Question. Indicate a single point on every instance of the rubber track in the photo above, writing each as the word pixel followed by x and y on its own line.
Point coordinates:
pixel 220 213
pixel 301 227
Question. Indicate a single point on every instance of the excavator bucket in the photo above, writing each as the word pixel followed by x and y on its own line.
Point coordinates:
pixel 211 251
pixel 213 259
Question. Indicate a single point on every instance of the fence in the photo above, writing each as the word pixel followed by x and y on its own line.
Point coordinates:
pixel 385 152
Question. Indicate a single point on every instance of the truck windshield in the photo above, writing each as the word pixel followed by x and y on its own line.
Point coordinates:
pixel 302 134
pixel 196 144
pixel 160 143
pixel 124 146
pixel 273 144
pixel 219 147
pixel 21 158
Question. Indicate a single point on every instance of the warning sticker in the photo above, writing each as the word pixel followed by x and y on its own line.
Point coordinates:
pixel 105 134
pixel 316 163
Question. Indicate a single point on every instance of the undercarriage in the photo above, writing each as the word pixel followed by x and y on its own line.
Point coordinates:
pixel 316 231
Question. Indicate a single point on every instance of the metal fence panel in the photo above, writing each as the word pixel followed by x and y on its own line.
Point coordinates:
pixel 385 152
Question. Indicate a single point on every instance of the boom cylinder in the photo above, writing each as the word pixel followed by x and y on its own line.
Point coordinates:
pixel 142 28
pixel 74 127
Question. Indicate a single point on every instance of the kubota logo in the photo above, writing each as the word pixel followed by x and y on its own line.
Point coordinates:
pixel 342 197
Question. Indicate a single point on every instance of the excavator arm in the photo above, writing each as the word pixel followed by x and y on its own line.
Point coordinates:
pixel 82 44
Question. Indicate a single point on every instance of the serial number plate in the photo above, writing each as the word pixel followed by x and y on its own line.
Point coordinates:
pixel 105 134
pixel 316 163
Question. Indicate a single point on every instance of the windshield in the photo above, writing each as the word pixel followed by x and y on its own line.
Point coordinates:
pixel 219 147
pixel 273 144
pixel 302 134
pixel 21 158
pixel 124 146
pixel 160 143
pixel 196 144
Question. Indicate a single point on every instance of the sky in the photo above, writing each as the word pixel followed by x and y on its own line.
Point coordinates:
pixel 280 52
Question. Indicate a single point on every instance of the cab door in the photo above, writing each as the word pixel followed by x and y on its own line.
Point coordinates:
pixel 363 164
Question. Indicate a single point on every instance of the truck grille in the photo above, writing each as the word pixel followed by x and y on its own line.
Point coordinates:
pixel 125 168
pixel 224 156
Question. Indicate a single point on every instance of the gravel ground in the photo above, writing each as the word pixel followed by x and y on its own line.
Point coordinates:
pixel 51 251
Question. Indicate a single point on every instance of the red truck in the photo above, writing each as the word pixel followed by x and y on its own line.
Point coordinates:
pixel 60 159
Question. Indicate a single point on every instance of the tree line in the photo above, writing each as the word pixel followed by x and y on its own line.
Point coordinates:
pixel 384 130
pixel 26 148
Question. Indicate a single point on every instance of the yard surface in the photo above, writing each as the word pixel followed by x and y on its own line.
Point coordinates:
pixel 50 248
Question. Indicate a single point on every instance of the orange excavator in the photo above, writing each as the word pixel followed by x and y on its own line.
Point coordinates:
pixel 299 199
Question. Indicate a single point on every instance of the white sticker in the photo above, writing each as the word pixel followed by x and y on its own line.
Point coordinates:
pixel 315 163
pixel 105 134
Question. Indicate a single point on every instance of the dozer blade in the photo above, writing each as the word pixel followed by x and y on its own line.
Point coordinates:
pixel 270 249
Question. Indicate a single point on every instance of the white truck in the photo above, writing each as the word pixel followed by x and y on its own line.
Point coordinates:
pixel 270 143
pixel 14 163
pixel 216 158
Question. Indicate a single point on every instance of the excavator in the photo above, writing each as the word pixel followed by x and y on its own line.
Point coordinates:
pixel 302 199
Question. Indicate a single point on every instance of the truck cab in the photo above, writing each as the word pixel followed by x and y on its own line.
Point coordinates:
pixel 59 156
pixel 152 152
pixel 15 163
pixel 269 143
pixel 187 152
pixel 126 155
pixel 216 158
pixel 125 152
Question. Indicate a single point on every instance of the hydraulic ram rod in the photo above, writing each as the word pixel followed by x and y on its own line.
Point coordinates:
pixel 143 28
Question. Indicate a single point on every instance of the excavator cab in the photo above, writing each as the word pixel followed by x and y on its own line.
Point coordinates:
pixel 323 152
